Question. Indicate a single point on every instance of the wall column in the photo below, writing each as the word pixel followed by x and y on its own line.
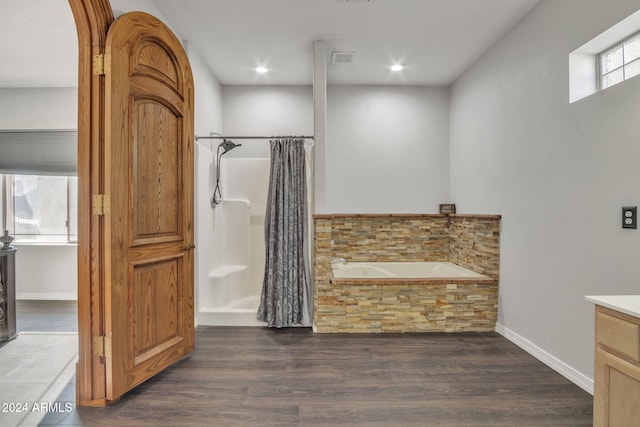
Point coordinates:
pixel 319 124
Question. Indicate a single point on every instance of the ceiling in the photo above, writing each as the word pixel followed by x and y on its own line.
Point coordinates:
pixel 38 44
pixel 436 39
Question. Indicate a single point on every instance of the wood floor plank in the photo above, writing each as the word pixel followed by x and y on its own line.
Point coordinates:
pixel 293 377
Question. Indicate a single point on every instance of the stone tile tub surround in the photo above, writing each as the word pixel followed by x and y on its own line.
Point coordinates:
pixel 472 241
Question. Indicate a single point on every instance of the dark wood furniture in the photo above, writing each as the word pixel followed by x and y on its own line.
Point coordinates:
pixel 7 290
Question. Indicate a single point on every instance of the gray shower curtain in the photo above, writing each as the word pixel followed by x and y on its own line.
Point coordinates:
pixel 285 299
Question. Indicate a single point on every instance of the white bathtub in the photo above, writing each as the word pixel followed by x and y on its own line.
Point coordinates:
pixel 403 271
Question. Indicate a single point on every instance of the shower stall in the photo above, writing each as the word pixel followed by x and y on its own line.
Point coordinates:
pixel 231 210
pixel 231 198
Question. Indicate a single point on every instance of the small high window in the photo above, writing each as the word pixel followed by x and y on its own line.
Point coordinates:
pixel 620 62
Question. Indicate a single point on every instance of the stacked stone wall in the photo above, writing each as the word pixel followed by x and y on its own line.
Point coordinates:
pixel 472 241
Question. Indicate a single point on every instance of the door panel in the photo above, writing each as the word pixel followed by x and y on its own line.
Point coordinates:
pixel 152 59
pixel 149 176
pixel 155 305
pixel 156 173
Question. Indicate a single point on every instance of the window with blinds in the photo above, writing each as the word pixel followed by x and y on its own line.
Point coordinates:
pixel 38 170
pixel 39 152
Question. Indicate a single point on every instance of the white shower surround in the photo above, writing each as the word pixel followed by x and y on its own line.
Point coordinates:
pixel 240 110
pixel 232 293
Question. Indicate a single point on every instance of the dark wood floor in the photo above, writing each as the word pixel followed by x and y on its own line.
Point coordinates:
pixel 292 377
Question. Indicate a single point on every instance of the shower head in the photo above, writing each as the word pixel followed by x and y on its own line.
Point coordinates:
pixel 228 145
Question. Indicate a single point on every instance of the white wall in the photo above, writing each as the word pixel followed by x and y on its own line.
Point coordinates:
pixel 207 119
pixel 120 7
pixel 46 272
pixel 265 111
pixel 387 149
pixel 557 172
pixel 38 108
pixel 42 108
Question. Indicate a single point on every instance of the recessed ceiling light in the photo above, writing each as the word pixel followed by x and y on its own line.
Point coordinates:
pixel 261 70
pixel 397 67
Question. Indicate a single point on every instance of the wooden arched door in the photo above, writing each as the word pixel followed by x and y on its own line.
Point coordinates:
pixel 149 311
pixel 135 163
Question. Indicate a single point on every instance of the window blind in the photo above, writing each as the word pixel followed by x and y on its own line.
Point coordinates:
pixel 39 152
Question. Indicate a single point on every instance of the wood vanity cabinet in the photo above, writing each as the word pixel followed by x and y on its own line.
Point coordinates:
pixel 616 399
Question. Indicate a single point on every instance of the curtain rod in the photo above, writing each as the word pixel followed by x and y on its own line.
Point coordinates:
pixel 250 137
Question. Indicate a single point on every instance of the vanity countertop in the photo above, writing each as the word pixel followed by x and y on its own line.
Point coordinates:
pixel 628 304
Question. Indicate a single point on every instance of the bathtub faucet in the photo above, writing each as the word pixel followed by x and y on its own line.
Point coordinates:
pixel 339 261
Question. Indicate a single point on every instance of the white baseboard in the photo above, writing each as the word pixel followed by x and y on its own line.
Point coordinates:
pixel 548 359
pixel 68 296
pixel 228 318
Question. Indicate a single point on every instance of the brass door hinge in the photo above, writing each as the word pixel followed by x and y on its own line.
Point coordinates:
pixel 101 64
pixel 101 204
pixel 101 346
